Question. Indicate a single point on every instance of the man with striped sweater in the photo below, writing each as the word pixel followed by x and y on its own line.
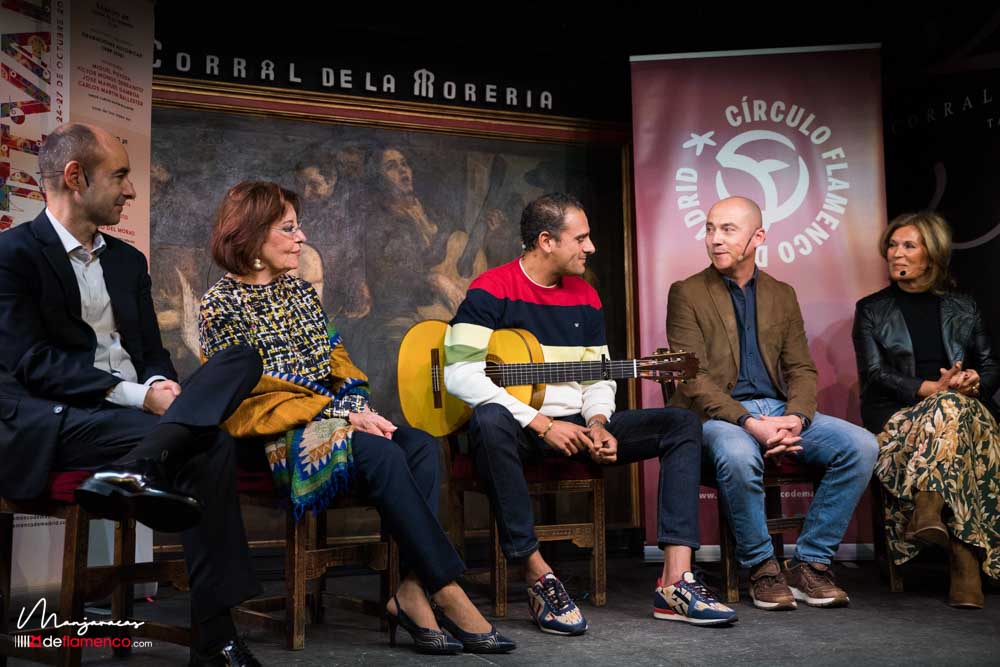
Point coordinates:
pixel 543 292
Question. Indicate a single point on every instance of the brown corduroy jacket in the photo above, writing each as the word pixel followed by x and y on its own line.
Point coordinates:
pixel 701 319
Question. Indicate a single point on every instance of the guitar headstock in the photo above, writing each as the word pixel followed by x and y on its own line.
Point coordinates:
pixel 668 365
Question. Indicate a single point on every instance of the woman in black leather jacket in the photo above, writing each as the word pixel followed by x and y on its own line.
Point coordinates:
pixel 924 361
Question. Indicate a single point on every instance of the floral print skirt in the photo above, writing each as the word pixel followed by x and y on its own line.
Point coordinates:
pixel 949 444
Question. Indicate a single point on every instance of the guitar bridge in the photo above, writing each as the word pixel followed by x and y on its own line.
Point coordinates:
pixel 437 378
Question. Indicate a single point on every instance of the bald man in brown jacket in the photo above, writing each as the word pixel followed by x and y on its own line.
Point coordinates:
pixel 756 391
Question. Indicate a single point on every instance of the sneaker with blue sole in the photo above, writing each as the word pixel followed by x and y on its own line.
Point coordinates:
pixel 553 610
pixel 688 600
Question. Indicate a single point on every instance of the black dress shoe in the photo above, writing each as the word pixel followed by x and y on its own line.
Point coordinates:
pixel 235 654
pixel 138 491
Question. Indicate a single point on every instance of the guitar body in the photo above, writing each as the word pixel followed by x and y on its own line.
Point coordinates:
pixel 420 374
pixel 420 371
pixel 518 346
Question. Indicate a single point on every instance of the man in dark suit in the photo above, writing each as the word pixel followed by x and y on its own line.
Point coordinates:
pixel 85 384
pixel 756 389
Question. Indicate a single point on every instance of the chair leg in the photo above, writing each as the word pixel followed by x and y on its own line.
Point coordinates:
pixel 295 582
pixel 316 609
pixel 456 518
pixel 598 570
pixel 727 549
pixel 6 556
pixel 498 573
pixel 71 597
pixel 389 578
pixel 880 540
pixel 122 597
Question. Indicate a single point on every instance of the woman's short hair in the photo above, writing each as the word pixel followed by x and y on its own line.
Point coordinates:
pixel 936 235
pixel 244 220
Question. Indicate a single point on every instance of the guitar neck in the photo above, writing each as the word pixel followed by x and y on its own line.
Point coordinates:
pixel 507 375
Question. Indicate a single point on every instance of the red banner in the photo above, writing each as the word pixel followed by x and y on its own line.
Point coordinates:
pixel 799 131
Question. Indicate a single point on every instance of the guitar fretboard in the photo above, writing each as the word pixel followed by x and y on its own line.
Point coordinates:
pixel 506 375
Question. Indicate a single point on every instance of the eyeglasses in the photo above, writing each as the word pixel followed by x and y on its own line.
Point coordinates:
pixel 288 229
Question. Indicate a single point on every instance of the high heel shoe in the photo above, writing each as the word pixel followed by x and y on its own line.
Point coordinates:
pixel 475 642
pixel 425 640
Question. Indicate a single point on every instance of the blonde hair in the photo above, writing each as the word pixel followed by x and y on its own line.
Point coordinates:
pixel 936 237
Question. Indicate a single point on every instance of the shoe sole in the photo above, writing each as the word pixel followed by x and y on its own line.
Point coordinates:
pixel 773 606
pixel 563 633
pixel 163 512
pixel 819 602
pixel 666 615
pixel 929 536
pixel 965 605
pixel 104 500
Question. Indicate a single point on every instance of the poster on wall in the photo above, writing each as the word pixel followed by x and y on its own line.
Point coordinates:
pixel 111 86
pixel 34 51
pixel 799 131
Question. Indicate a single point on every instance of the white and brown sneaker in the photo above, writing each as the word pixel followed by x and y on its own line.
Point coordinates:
pixel 813 584
pixel 768 589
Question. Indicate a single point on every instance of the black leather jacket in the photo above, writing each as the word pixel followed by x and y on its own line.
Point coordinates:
pixel 884 351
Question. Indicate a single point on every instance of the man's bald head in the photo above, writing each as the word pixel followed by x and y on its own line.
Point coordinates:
pixel 737 208
pixel 733 232
pixel 71 142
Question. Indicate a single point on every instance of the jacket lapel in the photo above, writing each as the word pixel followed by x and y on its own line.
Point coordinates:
pixel 57 258
pixel 115 279
pixel 766 312
pixel 724 307
pixel 952 330
pixel 895 332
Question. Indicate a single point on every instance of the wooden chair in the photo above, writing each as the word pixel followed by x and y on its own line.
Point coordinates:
pixel 308 555
pixel 554 476
pixel 80 583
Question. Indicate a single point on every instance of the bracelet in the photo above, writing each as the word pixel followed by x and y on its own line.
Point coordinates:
pixel 597 422
pixel 547 428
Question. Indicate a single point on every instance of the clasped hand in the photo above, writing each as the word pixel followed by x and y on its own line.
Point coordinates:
pixel 776 434
pixel 160 396
pixel 570 438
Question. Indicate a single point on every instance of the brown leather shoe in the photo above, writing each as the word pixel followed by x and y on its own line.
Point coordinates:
pixel 768 589
pixel 925 526
pixel 966 590
pixel 813 584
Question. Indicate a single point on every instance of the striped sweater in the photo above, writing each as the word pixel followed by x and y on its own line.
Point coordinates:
pixel 566 319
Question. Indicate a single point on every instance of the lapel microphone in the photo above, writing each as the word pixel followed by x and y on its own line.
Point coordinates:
pixel 739 258
pixel 902 273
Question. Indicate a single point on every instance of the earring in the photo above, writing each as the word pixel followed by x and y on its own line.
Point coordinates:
pixel 257 264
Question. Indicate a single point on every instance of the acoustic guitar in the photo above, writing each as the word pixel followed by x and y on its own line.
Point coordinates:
pixel 514 361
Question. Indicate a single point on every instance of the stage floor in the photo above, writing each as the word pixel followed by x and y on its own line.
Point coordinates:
pixel 913 628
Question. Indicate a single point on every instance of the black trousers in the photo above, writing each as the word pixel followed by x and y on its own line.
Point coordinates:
pixel 401 478
pixel 500 447
pixel 203 464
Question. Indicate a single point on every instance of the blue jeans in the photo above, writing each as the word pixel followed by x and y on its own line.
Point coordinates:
pixel 499 447
pixel 846 452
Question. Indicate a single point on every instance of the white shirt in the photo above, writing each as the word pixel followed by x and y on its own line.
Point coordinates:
pixel 95 307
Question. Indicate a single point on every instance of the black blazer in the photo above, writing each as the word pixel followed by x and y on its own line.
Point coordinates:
pixel 47 350
pixel 884 351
